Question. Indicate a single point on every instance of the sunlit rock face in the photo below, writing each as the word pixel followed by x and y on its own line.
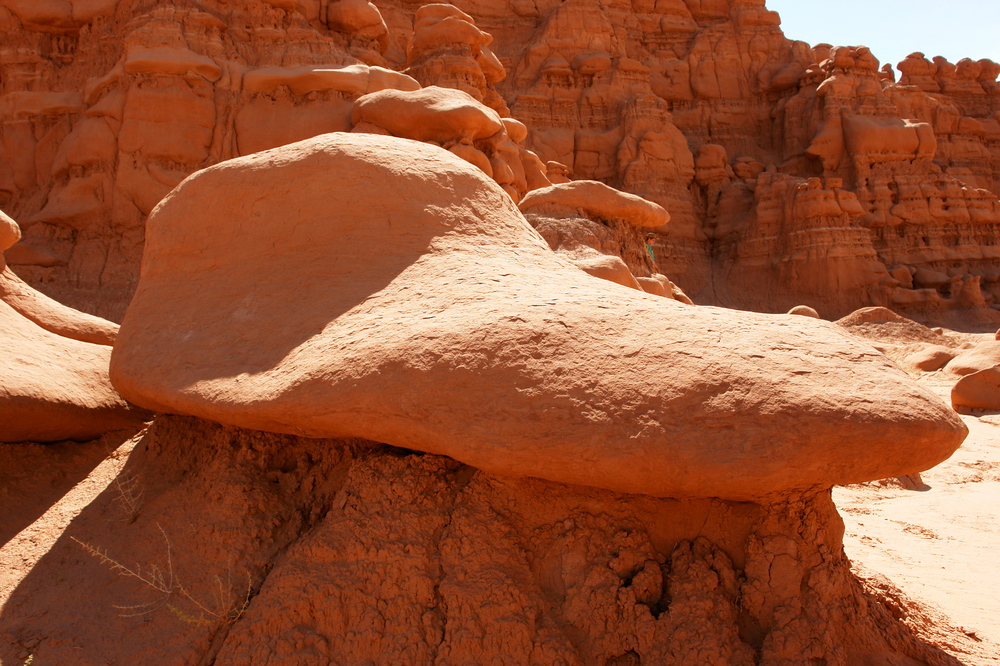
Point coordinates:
pixel 704 108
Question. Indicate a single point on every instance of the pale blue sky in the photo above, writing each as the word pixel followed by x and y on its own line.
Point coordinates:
pixel 893 29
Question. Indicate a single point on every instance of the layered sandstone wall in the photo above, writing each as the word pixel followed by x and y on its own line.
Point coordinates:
pixel 103 113
pixel 793 174
pixel 909 170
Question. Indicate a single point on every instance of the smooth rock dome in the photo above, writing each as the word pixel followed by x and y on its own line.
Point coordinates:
pixel 365 286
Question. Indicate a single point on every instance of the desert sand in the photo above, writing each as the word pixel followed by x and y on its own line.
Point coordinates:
pixel 937 540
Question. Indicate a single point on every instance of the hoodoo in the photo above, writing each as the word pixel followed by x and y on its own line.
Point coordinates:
pixel 490 333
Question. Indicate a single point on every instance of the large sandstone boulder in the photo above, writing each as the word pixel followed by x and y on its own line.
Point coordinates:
pixel 288 291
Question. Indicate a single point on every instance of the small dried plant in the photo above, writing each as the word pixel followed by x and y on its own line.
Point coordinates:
pixel 129 496
pixel 128 485
pixel 225 606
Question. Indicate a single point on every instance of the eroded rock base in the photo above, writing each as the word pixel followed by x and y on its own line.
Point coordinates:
pixel 230 546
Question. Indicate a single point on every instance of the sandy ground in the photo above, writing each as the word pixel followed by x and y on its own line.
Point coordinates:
pixel 940 545
pixel 42 489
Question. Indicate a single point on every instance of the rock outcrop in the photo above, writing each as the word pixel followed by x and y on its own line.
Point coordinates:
pixel 442 441
pixel 54 381
pixel 793 173
pixel 906 176
pixel 334 311
pixel 276 548
pixel 977 390
pixel 980 357
pixel 397 421
pixel 153 95
pixel 930 359
pixel 599 229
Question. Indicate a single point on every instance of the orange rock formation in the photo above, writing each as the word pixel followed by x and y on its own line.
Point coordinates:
pixel 297 550
pixel 362 316
pixel 652 478
pixel 53 365
pixel 793 174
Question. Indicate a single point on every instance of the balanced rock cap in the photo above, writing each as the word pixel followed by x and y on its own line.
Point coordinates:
pixel 598 200
pixel 357 285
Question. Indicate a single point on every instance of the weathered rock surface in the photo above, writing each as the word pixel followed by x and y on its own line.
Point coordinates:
pixel 794 174
pixel 104 112
pixel 804 155
pixel 285 549
pixel 456 121
pixel 449 51
pixel 53 387
pixel 977 390
pixel 430 114
pixel 598 228
pixel 598 200
pixel 804 311
pixel 980 357
pixel 930 359
pixel 52 315
pixel 53 365
pixel 335 311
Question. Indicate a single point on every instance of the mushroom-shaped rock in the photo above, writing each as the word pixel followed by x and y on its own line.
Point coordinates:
pixel 598 200
pixel 283 291
pixel 429 114
pixel 448 50
pixel 979 390
pixel 358 17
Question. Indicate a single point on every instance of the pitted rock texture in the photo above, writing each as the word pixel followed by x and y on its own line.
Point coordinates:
pixel 291 550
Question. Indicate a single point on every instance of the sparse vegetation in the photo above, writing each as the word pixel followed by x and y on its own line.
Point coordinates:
pixel 128 486
pixel 129 498
pixel 224 607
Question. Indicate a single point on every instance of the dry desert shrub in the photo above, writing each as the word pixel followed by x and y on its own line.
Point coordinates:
pixel 225 605
pixel 128 485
